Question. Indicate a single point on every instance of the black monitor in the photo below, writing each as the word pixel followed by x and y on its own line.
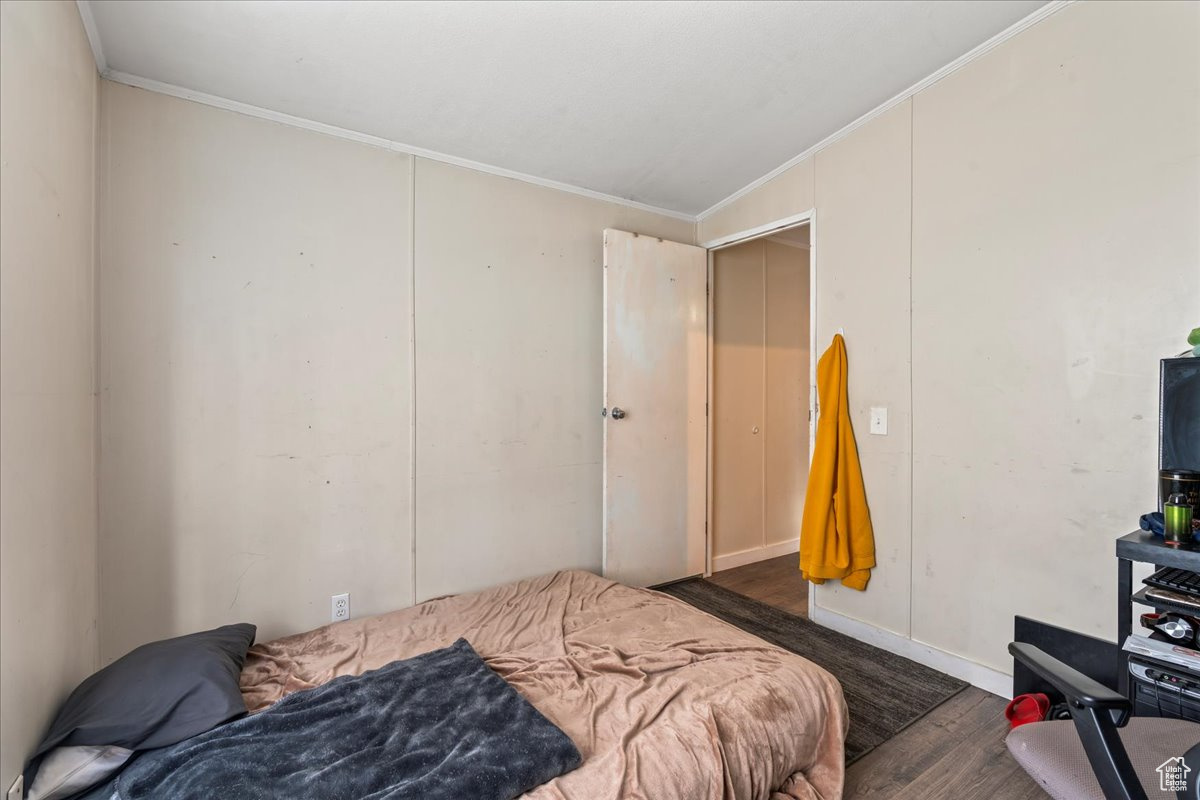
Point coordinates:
pixel 1179 414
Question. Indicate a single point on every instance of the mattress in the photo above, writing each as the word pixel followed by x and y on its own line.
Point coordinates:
pixel 662 700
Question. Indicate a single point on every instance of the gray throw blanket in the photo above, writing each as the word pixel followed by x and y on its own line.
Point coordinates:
pixel 440 725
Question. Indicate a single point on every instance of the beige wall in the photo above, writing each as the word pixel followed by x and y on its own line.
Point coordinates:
pixel 254 358
pixel 509 373
pixel 1048 194
pixel 862 232
pixel 1063 253
pixel 760 399
pixel 48 599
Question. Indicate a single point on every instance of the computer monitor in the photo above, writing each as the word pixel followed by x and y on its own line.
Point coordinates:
pixel 1179 414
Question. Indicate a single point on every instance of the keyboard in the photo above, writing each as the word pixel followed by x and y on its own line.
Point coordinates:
pixel 1177 580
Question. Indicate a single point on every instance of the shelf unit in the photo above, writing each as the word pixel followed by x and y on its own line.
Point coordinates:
pixel 1149 549
pixel 1160 604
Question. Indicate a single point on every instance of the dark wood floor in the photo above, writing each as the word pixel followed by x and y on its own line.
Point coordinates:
pixel 776 582
pixel 955 752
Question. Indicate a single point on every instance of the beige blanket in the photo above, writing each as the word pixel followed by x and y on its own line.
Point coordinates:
pixel 663 700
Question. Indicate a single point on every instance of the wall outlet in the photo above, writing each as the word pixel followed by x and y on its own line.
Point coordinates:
pixel 17 790
pixel 879 421
pixel 340 607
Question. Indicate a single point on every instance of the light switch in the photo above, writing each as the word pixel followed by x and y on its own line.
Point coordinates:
pixel 879 421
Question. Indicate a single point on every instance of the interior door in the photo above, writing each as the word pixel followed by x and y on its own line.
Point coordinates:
pixel 655 385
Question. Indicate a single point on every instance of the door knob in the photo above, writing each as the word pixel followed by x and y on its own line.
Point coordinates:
pixel 618 413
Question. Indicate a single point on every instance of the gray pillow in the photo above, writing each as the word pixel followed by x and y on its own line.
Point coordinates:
pixel 159 694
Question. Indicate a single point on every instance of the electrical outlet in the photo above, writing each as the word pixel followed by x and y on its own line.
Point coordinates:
pixel 17 790
pixel 341 607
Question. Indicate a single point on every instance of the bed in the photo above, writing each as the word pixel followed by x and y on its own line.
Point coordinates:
pixel 662 700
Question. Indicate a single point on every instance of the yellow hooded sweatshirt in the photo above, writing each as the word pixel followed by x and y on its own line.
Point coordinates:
pixel 836 538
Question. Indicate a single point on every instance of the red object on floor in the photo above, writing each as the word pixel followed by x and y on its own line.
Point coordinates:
pixel 1025 708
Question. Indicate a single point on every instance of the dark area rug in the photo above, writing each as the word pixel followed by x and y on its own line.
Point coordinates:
pixel 884 692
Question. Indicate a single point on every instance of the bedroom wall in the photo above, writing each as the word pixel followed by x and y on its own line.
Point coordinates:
pixel 1043 199
pixel 48 594
pixel 863 192
pixel 1024 474
pixel 509 375
pixel 258 377
pixel 255 372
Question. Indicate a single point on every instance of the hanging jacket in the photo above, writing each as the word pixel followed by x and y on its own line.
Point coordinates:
pixel 836 538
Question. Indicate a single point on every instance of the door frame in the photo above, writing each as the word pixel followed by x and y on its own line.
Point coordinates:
pixel 808 217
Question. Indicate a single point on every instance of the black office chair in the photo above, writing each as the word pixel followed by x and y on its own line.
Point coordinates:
pixel 1102 753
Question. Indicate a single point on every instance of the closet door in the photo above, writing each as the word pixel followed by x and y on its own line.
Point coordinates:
pixel 786 376
pixel 738 422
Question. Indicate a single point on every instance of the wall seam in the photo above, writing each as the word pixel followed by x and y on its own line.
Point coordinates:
pixel 814 311
pixel 762 448
pixel 98 151
pixel 912 461
pixel 412 376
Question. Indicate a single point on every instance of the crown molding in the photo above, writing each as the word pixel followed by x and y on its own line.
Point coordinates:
pixel 377 141
pixel 955 65
pixel 89 24
pixel 93 35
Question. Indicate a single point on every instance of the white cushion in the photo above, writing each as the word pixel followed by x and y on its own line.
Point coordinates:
pixel 68 770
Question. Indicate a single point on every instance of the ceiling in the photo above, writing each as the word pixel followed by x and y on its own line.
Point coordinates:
pixel 675 105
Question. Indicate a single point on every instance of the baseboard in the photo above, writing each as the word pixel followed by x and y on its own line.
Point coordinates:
pixel 976 674
pixel 743 557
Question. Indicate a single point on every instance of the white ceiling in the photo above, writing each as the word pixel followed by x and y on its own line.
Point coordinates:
pixel 672 104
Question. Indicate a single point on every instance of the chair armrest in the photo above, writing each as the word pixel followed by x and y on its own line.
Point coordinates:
pixel 1080 690
pixel 1097 713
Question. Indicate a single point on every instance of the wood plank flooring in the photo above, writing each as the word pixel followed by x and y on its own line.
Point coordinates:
pixel 955 752
pixel 776 582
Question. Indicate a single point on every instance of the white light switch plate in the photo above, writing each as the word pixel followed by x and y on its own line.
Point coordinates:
pixel 879 421
pixel 17 790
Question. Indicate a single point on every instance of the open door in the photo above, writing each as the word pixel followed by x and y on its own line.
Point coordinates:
pixel 655 385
